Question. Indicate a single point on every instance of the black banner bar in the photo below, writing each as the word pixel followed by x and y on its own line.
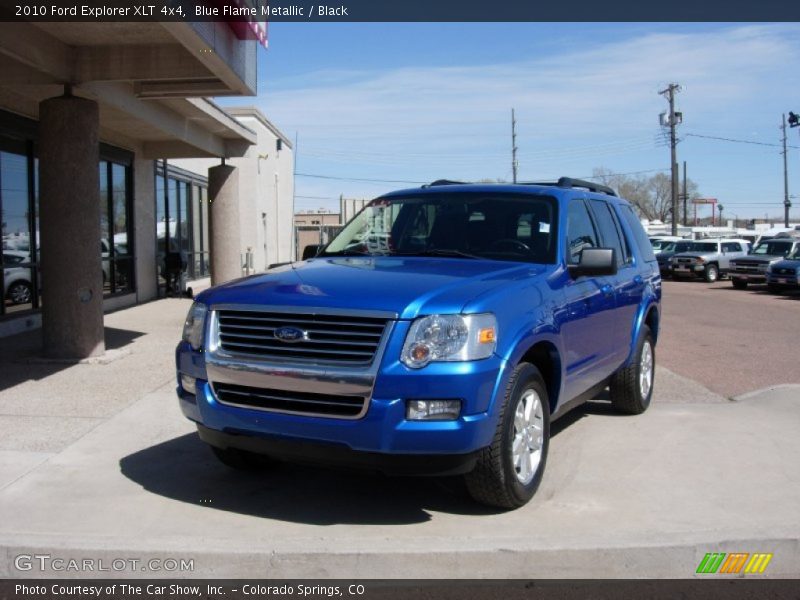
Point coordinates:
pixel 397 589
pixel 399 11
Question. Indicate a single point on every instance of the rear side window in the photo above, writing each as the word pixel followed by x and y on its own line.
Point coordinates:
pixel 609 229
pixel 639 235
pixel 580 231
pixel 731 247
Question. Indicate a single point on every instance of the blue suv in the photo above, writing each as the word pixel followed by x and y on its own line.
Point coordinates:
pixel 441 332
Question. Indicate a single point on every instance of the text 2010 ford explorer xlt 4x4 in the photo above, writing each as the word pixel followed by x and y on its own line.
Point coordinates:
pixel 440 332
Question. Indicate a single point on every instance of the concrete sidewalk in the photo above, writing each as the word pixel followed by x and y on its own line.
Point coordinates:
pixel 96 462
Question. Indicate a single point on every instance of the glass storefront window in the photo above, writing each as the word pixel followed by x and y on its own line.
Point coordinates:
pixel 19 215
pixel 181 221
pixel 19 243
pixel 115 244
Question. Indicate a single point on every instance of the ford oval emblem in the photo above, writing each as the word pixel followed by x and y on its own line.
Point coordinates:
pixel 290 334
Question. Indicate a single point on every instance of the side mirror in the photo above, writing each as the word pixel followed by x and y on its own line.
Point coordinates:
pixel 595 262
pixel 311 251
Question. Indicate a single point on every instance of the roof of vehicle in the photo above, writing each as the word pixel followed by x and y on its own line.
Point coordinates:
pixel 792 236
pixel 564 184
pixel 722 240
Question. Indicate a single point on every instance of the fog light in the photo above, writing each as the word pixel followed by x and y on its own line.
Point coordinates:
pixel 187 383
pixel 433 410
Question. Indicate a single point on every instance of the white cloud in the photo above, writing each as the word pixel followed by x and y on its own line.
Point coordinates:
pixel 581 104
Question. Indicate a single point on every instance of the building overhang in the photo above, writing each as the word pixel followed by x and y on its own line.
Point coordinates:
pixel 149 79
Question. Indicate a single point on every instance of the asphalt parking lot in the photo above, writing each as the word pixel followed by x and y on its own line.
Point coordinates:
pixel 732 341
pixel 96 462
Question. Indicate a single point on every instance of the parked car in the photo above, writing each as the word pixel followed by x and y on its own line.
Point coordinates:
pixel 17 285
pixel 490 311
pixel 709 259
pixel 669 250
pixel 753 267
pixel 785 274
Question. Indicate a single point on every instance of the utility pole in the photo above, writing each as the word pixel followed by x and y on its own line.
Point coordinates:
pixel 672 88
pixel 786 203
pixel 685 194
pixel 514 163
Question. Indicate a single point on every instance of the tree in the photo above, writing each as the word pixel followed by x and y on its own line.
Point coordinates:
pixel 652 196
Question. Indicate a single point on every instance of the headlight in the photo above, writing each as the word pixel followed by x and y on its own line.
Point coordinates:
pixel 193 326
pixel 449 338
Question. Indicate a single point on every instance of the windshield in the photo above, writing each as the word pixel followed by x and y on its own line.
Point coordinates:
pixel 795 255
pixel 460 225
pixel 773 248
pixel 677 247
pixel 661 245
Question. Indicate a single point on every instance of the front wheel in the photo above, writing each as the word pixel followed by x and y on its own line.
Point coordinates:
pixel 19 292
pixel 712 273
pixel 509 472
pixel 631 387
pixel 739 284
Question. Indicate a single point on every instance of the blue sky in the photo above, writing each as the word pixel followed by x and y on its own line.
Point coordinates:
pixel 423 101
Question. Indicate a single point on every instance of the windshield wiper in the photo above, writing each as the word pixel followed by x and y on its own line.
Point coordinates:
pixel 451 252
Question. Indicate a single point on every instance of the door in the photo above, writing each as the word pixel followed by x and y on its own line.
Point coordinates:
pixel 588 319
pixel 628 283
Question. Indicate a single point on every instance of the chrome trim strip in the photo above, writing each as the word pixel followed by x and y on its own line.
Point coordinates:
pixel 361 413
pixel 308 310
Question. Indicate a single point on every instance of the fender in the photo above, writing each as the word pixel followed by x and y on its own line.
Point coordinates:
pixel 524 339
pixel 649 301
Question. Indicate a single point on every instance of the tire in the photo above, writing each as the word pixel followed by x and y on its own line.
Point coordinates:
pixel 20 292
pixel 631 388
pixel 712 273
pixel 241 460
pixel 739 284
pixel 499 479
pixel 773 289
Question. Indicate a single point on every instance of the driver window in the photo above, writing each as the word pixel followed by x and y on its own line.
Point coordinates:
pixel 580 231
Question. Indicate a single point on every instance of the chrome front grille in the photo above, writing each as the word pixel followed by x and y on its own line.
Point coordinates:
pixel 747 266
pixel 324 338
pixel 293 402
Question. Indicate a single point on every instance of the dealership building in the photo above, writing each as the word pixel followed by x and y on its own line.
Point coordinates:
pixel 113 161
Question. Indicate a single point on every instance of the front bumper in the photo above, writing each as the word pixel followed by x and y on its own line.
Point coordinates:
pixel 341 455
pixel 749 277
pixel 787 281
pixel 688 270
pixel 382 428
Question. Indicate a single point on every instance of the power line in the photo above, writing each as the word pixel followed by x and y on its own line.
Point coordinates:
pixel 724 139
pixel 611 174
pixel 359 179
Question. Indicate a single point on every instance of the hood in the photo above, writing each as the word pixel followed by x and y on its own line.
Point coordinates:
pixel 693 254
pixel 406 286
pixel 786 263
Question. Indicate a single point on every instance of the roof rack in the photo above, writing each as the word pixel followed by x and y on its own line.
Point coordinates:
pixel 569 182
pixel 563 182
pixel 443 182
